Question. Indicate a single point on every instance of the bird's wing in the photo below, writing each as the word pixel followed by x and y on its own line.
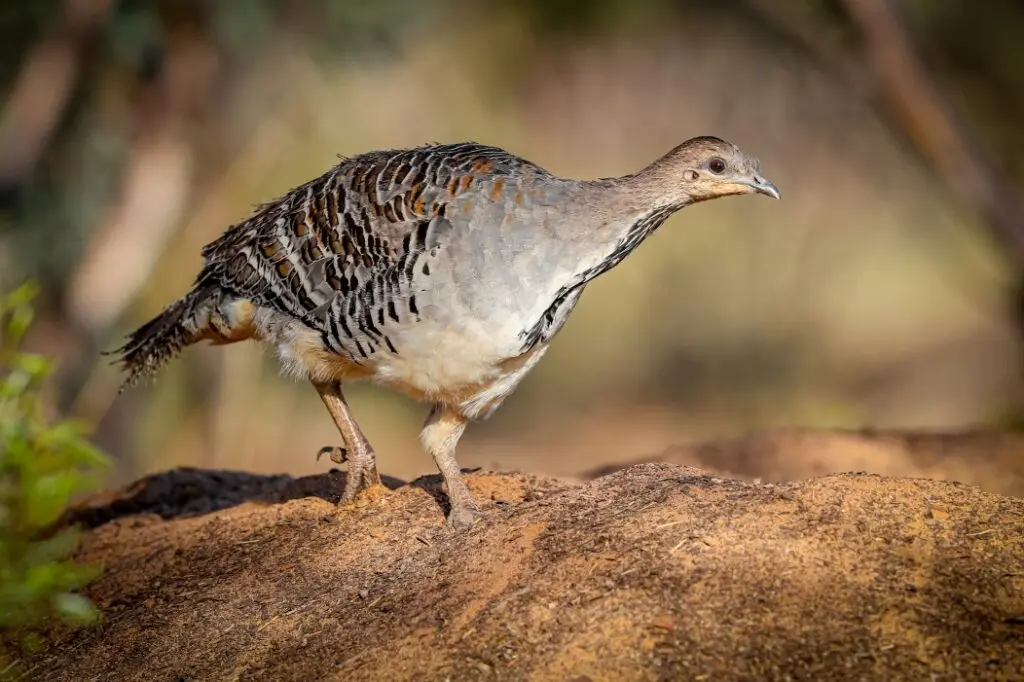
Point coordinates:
pixel 338 252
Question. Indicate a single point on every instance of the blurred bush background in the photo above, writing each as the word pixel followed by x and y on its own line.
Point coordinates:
pixel 884 289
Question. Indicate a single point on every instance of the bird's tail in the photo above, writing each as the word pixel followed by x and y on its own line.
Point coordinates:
pixel 181 324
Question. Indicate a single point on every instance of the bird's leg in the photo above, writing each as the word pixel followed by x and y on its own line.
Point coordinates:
pixel 440 435
pixel 362 463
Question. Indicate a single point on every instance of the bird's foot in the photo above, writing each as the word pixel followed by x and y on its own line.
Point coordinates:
pixel 365 497
pixel 464 516
pixel 361 478
pixel 463 511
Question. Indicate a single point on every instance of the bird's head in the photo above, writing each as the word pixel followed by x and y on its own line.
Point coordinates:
pixel 704 168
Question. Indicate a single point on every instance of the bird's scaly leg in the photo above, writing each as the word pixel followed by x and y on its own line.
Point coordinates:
pixel 362 463
pixel 440 435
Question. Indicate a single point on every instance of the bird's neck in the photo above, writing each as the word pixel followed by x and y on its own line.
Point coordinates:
pixel 655 187
pixel 622 213
pixel 634 203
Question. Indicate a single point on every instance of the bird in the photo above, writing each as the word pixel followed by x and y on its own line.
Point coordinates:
pixel 443 271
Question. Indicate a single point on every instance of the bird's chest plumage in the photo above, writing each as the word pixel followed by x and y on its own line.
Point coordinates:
pixel 435 358
pixel 472 311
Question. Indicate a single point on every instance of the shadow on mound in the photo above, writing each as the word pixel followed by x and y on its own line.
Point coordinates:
pixel 189 491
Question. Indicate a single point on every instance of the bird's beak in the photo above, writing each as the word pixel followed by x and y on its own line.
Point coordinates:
pixel 763 186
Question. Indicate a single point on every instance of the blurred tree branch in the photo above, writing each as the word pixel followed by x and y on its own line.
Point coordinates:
pixel 43 87
pixel 887 71
pixel 155 187
pixel 901 81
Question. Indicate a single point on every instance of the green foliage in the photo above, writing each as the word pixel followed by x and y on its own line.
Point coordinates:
pixel 42 464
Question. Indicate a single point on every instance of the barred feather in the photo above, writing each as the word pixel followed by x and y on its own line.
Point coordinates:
pixel 163 337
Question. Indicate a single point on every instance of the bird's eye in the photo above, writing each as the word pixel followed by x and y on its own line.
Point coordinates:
pixel 716 166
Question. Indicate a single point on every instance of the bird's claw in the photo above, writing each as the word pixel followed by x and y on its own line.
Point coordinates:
pixel 462 517
pixel 337 455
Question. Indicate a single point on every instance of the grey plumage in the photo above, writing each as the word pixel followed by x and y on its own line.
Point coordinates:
pixel 443 271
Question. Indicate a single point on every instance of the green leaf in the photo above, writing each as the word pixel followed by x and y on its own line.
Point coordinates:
pixel 35 366
pixel 51 549
pixel 18 323
pixel 47 497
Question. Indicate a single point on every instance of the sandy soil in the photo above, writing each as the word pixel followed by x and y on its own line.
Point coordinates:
pixel 654 572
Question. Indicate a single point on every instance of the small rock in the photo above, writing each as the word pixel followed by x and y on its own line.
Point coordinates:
pixel 663 623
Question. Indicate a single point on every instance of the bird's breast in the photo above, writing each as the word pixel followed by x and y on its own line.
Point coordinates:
pixel 435 359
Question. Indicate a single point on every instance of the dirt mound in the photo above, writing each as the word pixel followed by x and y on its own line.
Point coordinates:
pixel 991 460
pixel 655 572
